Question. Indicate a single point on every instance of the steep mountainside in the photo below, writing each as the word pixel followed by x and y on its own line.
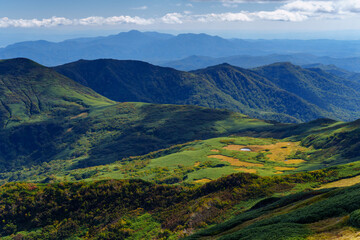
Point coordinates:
pixel 256 93
pixel 46 116
pixel 333 94
pixel 31 92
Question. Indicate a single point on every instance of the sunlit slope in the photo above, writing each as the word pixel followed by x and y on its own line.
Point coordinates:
pixel 30 92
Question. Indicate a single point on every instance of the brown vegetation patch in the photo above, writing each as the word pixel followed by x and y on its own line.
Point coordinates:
pixel 294 161
pixel 342 183
pixel 81 115
pixel 247 170
pixel 236 162
pixel 284 168
pixel 196 164
pixel 278 172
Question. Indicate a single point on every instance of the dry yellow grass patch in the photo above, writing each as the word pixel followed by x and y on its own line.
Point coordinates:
pixel 278 172
pixel 204 180
pixel 236 162
pixel 69 130
pixel 196 164
pixel 276 152
pixel 81 115
pixel 247 170
pixel 346 233
pixel 342 183
pixel 284 168
pixel 215 150
pixel 294 161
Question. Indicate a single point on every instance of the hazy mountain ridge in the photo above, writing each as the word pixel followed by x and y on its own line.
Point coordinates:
pixel 157 47
pixel 247 61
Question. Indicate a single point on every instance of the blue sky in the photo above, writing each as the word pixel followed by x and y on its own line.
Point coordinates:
pixel 57 20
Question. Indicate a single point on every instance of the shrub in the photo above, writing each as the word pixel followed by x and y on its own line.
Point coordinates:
pixel 355 218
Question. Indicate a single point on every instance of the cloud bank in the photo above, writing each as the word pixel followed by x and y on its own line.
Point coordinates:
pixel 291 11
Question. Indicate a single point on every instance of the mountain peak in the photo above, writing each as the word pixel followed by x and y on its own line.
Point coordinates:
pixel 17 65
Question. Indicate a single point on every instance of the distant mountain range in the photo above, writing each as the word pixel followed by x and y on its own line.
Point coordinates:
pixel 281 91
pixel 351 64
pixel 158 48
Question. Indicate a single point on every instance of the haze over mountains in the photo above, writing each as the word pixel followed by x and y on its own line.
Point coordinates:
pixel 160 48
pixel 351 64
pixel 281 91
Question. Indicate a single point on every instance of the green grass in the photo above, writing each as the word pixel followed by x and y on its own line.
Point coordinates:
pixel 287 218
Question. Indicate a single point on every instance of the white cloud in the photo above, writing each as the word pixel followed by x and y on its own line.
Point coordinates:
pixel 172 18
pixel 352 6
pixel 291 11
pixel 279 15
pixel 24 23
pixel 241 1
pixel 230 5
pixel 224 17
pixel 60 21
pixel 141 8
pixel 112 20
pixel 310 6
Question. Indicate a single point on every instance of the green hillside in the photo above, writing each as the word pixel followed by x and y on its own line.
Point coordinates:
pixel 322 214
pixel 30 92
pixel 242 204
pixel 76 165
pixel 260 96
pixel 295 148
pixel 281 92
pixel 337 96
pixel 47 116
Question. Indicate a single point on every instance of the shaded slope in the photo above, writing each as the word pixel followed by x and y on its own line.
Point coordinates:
pixel 221 86
pixel 193 62
pixel 257 93
pixel 335 95
pixel 336 71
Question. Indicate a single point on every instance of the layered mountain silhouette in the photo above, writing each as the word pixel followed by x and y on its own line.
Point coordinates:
pixel 349 64
pixel 282 91
pixel 158 47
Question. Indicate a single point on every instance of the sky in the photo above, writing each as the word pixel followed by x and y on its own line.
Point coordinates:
pixel 56 20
